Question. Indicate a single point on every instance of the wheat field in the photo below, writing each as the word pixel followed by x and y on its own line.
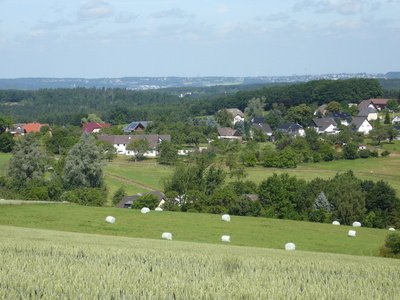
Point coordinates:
pixel 45 264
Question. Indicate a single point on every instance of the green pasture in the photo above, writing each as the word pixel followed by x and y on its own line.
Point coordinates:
pixel 113 184
pixel 192 227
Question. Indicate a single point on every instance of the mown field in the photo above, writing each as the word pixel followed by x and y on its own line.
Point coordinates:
pixel 193 227
pixel 45 264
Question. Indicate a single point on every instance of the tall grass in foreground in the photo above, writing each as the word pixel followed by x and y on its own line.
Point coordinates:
pixel 42 264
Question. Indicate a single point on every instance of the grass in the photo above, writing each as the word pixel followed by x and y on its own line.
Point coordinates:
pixel 192 227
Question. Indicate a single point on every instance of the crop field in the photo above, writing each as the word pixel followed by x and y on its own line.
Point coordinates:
pixel 45 264
pixel 194 227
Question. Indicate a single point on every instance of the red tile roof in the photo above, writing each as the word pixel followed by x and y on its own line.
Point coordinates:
pixel 379 101
pixel 33 127
pixel 89 127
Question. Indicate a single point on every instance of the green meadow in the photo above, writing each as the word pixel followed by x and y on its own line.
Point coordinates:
pixel 193 227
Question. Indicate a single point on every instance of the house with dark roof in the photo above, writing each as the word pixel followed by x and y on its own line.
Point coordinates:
pixel 366 103
pixel 324 125
pixel 341 117
pixel 121 141
pixel 227 133
pixel 136 126
pixel 127 201
pixel 292 129
pixel 369 112
pixel 259 120
pixel 361 125
pixel 396 120
pixel 94 127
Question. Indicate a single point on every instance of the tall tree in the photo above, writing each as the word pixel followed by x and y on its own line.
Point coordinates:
pixel 255 107
pixel 139 147
pixel 224 118
pixel 28 161
pixel 83 165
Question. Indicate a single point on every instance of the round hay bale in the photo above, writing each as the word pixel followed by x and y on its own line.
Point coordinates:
pixel 290 246
pixel 352 233
pixel 110 219
pixel 226 238
pixel 356 224
pixel 226 218
pixel 145 210
pixel 158 209
pixel 335 223
pixel 167 236
pixel 392 229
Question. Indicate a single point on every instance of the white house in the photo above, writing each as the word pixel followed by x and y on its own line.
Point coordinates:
pixel 237 114
pixel 396 120
pixel 121 141
pixel 362 125
pixel 324 125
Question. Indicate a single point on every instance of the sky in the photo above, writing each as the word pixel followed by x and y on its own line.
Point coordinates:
pixel 189 38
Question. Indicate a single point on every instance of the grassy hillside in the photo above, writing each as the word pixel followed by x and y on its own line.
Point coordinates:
pixel 44 264
pixel 191 227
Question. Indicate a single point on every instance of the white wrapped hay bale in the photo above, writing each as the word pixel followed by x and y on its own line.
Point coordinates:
pixel 110 219
pixel 167 236
pixel 226 238
pixel 158 209
pixel 356 224
pixel 352 233
pixel 290 246
pixel 145 210
pixel 226 218
pixel 335 223
pixel 392 229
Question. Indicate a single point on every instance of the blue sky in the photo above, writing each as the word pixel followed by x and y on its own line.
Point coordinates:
pixel 94 39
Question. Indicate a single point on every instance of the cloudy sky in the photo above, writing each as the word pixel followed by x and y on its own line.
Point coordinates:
pixel 117 38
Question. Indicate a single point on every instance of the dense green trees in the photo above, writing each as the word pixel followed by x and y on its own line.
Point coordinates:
pixel 139 147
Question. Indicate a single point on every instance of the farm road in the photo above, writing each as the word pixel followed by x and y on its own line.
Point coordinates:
pixel 130 182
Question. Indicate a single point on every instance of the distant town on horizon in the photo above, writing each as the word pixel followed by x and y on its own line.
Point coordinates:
pixel 151 83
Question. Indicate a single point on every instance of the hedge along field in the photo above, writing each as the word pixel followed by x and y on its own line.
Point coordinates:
pixel 192 227
pixel 44 264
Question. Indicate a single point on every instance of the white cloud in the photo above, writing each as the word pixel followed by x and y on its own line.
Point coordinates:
pixel 344 7
pixel 172 13
pixel 346 25
pixel 123 17
pixel 222 9
pixel 95 9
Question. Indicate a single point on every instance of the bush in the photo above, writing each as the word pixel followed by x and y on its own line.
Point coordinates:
pixel 85 196
pixel 374 153
pixel 393 242
pixel 365 153
pixel 385 153
pixel 150 200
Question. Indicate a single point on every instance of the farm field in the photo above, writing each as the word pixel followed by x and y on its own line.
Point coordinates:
pixel 46 264
pixel 150 174
pixel 193 227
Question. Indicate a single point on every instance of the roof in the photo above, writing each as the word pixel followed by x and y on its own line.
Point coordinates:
pixel 358 121
pixel 366 111
pixel 227 131
pixel 365 103
pixel 154 139
pixel 89 127
pixel 321 108
pixel 235 112
pixel 323 123
pixel 264 127
pixel 127 201
pixel 134 125
pixel 289 127
pixel 259 120
pixel 379 101
pixel 33 127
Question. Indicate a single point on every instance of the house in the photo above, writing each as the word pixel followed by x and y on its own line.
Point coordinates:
pixel 127 201
pixel 322 109
pixel 94 127
pixel 17 130
pixel 366 103
pixel 265 128
pixel 121 141
pixel 292 128
pixel 227 133
pixel 259 120
pixel 369 112
pixel 136 126
pixel 380 103
pixel 33 127
pixel 341 117
pixel 398 129
pixel 361 125
pixel 237 114
pixel 396 120
pixel 324 125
